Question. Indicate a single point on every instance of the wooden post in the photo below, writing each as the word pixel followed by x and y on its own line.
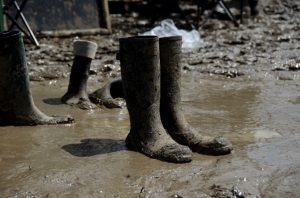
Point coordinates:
pixel 103 9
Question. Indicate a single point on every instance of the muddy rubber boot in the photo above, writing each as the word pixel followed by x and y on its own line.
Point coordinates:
pixel 111 95
pixel 76 95
pixel 16 103
pixel 253 7
pixel 140 72
pixel 170 108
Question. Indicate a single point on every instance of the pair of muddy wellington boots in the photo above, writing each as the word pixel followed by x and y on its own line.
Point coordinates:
pixel 110 95
pixel 16 103
pixel 151 76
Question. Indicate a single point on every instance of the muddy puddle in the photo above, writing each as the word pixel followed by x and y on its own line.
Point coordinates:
pixel 244 84
pixel 89 158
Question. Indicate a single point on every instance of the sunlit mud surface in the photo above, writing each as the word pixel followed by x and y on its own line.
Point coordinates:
pixel 244 84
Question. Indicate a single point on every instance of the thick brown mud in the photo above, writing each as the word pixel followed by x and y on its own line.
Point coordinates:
pixel 244 84
pixel 89 158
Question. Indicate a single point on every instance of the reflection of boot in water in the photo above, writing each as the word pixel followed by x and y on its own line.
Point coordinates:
pixel 110 95
pixel 16 103
pixel 140 71
pixel 76 95
pixel 171 114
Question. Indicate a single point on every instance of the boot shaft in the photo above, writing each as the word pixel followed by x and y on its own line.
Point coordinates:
pixel 14 82
pixel 12 57
pixel 170 103
pixel 170 57
pixel 79 74
pixel 84 52
pixel 140 70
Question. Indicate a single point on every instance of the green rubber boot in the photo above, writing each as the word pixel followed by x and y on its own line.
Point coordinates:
pixel 16 103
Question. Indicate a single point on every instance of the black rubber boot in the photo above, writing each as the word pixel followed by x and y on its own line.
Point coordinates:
pixel 253 7
pixel 111 95
pixel 170 109
pixel 76 95
pixel 140 71
pixel 16 103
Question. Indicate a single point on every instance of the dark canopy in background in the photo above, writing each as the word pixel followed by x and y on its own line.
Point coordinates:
pixel 61 14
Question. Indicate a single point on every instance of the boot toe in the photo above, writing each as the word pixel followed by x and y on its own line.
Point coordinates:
pixel 170 153
pixel 216 146
pixel 175 153
pixel 221 142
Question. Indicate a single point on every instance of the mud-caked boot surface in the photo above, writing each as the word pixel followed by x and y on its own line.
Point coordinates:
pixel 84 52
pixel 140 72
pixel 170 106
pixel 111 95
pixel 16 103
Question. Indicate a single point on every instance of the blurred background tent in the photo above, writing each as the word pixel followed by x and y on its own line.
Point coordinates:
pixel 53 17
pixel 61 14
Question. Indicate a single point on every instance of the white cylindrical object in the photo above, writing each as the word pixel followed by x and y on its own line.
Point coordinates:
pixel 85 48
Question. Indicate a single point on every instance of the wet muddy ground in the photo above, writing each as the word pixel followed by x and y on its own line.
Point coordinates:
pixel 242 84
